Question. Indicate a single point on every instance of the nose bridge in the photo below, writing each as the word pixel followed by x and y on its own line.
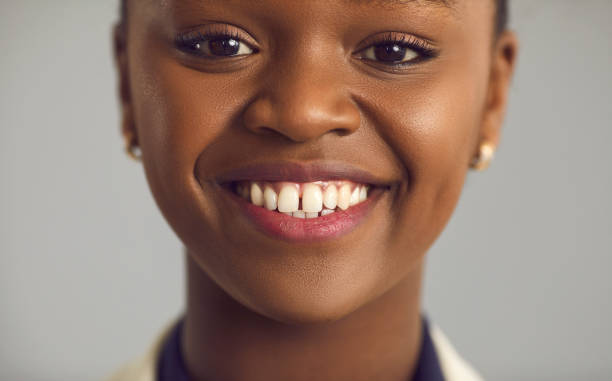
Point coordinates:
pixel 307 96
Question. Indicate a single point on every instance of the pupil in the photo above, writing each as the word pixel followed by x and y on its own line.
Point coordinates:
pixel 390 53
pixel 224 47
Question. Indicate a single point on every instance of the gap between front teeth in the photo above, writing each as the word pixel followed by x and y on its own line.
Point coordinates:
pixel 309 200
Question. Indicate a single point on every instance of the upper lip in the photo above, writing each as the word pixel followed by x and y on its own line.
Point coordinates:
pixel 300 173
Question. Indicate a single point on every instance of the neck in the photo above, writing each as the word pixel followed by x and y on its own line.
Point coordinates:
pixel 223 340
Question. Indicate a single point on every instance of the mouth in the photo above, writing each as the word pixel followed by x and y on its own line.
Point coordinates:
pixel 302 200
pixel 303 203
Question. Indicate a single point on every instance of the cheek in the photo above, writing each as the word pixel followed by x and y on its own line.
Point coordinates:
pixel 179 113
pixel 434 131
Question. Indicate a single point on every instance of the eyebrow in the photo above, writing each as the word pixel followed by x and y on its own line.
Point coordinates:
pixel 392 4
pixel 402 3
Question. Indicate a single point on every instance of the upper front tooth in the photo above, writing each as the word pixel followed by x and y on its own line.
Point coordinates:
pixel 344 197
pixel 363 193
pixel 270 198
pixel 288 199
pixel 330 197
pixel 256 195
pixel 299 214
pixel 312 198
pixel 354 197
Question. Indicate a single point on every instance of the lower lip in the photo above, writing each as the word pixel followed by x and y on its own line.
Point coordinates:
pixel 292 229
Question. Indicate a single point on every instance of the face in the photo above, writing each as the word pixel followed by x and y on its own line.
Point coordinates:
pixel 247 109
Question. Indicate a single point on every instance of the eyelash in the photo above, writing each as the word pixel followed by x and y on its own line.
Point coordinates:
pixel 424 49
pixel 187 43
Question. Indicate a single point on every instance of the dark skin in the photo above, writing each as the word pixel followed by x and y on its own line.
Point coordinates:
pixel 259 308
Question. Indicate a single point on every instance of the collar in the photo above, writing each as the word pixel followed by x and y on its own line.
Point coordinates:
pixel 171 366
pixel 144 368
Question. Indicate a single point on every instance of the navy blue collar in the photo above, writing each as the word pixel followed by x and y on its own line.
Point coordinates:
pixel 171 367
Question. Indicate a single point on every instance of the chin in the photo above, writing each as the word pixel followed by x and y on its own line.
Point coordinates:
pixel 302 310
pixel 318 298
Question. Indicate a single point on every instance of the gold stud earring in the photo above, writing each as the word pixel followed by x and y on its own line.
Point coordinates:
pixel 131 147
pixel 486 152
pixel 134 152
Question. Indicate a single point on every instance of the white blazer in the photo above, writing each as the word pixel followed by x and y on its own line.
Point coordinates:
pixel 454 368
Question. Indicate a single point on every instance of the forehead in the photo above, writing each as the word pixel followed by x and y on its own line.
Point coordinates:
pixel 387 4
pixel 464 15
pixel 452 11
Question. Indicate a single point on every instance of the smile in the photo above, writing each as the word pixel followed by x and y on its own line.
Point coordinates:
pixel 303 200
pixel 302 203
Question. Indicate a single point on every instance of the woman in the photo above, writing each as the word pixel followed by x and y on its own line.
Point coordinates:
pixel 307 154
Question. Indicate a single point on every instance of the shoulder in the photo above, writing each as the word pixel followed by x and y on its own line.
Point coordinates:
pixel 454 367
pixel 144 367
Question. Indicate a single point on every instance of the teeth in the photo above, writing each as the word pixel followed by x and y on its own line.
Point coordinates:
pixel 304 200
pixel 256 195
pixel 299 214
pixel 270 198
pixel 354 200
pixel 330 197
pixel 312 198
pixel 363 194
pixel 344 197
pixel 288 199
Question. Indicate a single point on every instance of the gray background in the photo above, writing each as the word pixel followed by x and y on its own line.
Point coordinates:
pixel 89 270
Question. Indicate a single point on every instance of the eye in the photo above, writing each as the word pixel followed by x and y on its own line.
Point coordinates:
pixel 214 44
pixel 222 47
pixel 394 51
pixel 390 53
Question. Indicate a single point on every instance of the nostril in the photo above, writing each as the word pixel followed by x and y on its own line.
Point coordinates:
pixel 276 134
pixel 267 131
pixel 342 131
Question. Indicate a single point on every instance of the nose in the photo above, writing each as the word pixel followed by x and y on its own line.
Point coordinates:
pixel 303 102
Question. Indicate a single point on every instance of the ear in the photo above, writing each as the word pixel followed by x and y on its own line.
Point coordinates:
pixel 128 126
pixel 503 63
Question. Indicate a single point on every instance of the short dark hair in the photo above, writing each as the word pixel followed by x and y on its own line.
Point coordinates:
pixel 501 15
